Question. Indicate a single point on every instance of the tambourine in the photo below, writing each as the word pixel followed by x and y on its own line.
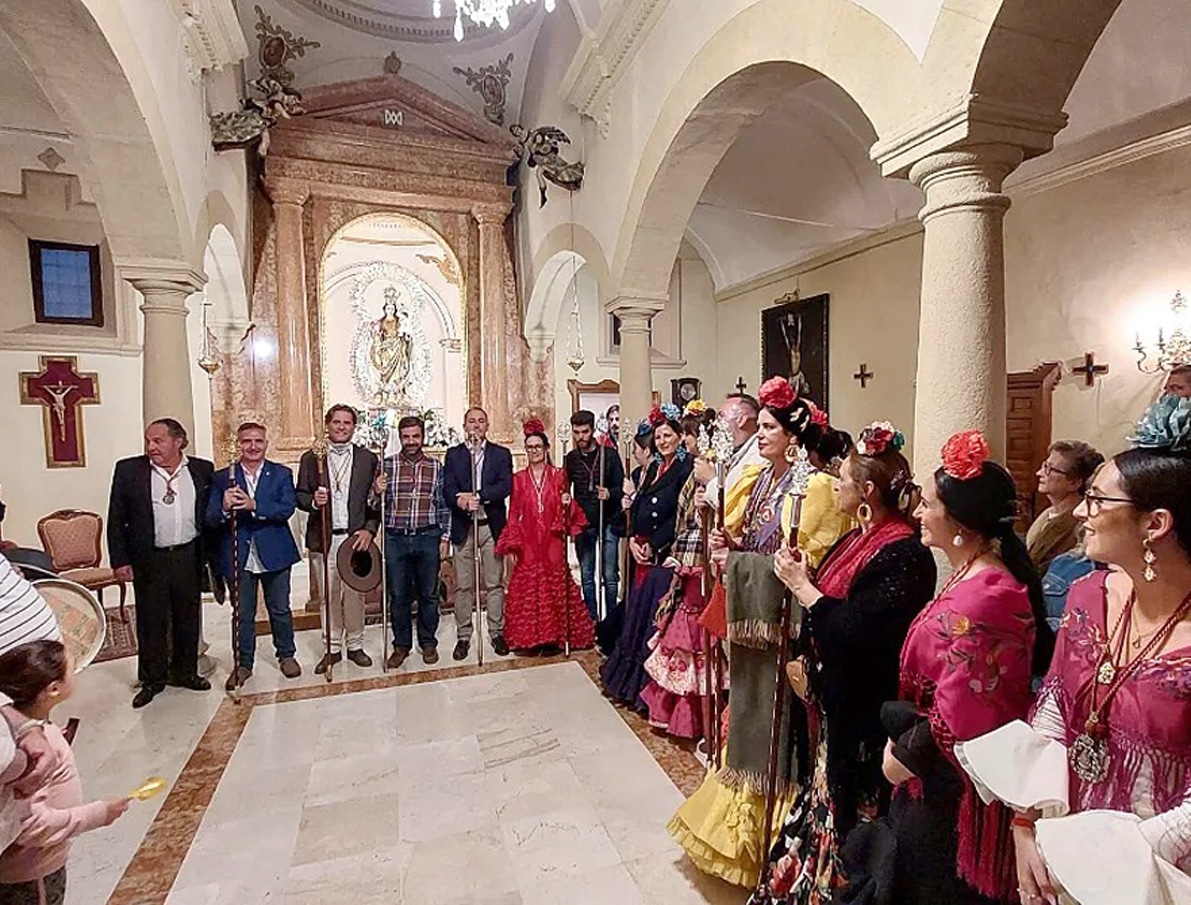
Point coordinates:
pixel 80 615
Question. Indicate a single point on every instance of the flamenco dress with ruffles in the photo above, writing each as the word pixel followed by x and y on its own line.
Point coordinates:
pixel 721 826
pixel 677 666
pixel 543 604
pixel 654 516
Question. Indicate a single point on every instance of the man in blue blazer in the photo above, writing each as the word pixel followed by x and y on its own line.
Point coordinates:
pixel 261 494
pixel 478 478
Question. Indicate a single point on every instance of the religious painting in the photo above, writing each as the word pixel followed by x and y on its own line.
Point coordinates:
pixel 61 391
pixel 794 344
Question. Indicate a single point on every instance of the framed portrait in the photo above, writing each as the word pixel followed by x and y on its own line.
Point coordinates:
pixel 597 398
pixel 794 344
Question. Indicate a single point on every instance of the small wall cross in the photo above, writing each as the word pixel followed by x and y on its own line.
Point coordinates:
pixel 1090 369
pixel 741 386
pixel 864 375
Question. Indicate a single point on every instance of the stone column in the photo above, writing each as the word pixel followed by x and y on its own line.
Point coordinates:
pixel 636 365
pixel 961 381
pixel 496 313
pixel 166 388
pixel 293 330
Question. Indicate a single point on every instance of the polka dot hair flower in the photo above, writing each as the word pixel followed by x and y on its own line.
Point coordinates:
pixel 964 455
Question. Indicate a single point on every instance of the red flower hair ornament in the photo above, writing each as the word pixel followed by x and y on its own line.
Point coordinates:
pixel 533 426
pixel 655 417
pixel 776 393
pixel 964 455
pixel 818 416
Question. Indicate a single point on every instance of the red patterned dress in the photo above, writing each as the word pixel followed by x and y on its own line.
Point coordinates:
pixel 542 590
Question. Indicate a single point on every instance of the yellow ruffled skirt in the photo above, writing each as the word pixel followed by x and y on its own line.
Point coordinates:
pixel 721 829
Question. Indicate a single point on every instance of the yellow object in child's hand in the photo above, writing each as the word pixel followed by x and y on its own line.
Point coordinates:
pixel 152 786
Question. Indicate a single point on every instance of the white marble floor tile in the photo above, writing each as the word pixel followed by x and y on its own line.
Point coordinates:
pixel 349 827
pixel 353 776
pixel 558 844
pixel 372 878
pixel 470 869
pixel 675 881
pixel 611 885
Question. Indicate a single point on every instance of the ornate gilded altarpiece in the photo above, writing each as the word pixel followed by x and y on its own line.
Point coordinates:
pixel 378 145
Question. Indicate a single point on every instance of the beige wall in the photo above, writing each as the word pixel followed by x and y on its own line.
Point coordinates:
pixel 873 319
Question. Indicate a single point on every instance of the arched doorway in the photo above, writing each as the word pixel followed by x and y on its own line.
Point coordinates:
pixel 391 322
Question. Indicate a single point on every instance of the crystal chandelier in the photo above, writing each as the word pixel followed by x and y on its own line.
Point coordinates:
pixel 207 360
pixel 1174 340
pixel 484 12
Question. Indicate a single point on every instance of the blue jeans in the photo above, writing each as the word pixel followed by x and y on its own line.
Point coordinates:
pixel 281 620
pixel 412 562
pixel 585 546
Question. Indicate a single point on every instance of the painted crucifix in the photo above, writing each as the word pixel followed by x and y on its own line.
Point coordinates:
pixel 60 389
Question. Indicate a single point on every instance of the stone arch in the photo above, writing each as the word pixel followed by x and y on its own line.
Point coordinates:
pixel 765 50
pixel 85 58
pixel 557 283
pixel 1033 52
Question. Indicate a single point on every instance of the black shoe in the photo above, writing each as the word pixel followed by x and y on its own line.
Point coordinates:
pixel 359 658
pixel 499 645
pixel 327 660
pixel 194 683
pixel 145 695
pixel 461 649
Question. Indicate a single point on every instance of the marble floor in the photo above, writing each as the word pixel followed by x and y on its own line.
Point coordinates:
pixel 517 784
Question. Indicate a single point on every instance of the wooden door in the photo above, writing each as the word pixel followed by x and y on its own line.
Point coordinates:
pixel 1028 432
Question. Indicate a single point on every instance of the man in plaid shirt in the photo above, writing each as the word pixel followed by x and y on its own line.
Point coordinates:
pixel 417 527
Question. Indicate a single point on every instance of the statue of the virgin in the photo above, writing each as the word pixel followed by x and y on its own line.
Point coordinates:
pixel 390 352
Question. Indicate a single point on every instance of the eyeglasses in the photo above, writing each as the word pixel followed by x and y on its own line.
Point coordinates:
pixel 530 447
pixel 1093 501
pixel 1048 469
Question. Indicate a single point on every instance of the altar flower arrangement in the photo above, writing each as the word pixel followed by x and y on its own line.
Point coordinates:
pixel 964 455
pixel 440 434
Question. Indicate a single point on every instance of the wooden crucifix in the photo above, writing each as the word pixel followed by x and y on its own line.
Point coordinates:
pixel 864 375
pixel 61 390
pixel 1089 369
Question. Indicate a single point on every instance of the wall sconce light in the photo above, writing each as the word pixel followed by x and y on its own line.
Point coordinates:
pixel 1173 346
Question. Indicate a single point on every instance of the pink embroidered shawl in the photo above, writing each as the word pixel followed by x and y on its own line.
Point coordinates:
pixel 966 665
pixel 1149 721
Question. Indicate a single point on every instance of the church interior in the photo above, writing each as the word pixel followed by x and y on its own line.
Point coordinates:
pixel 950 215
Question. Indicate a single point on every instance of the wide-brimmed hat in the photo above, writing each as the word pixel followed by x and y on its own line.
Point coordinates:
pixel 359 570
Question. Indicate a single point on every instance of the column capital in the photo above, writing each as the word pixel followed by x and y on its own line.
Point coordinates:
pixel 637 306
pixel 969 121
pixel 161 276
pixel 491 214
pixel 286 191
pixel 970 177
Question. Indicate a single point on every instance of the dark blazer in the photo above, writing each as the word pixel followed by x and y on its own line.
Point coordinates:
pixel 496 483
pixel 267 524
pixel 363 506
pixel 130 509
pixel 655 508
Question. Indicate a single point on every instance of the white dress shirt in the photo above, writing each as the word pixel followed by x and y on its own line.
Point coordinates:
pixel 174 523
pixel 250 481
pixel 340 460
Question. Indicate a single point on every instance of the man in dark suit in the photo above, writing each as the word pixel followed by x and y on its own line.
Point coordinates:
pixel 477 479
pixel 261 494
pixel 348 489
pixel 155 540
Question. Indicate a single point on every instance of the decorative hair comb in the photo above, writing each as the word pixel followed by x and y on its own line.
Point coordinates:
pixel 878 438
pixel 776 393
pixel 964 455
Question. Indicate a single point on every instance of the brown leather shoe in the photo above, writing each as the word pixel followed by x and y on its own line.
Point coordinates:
pixel 290 667
pixel 327 660
pixel 243 673
pixel 397 658
pixel 359 658
pixel 430 655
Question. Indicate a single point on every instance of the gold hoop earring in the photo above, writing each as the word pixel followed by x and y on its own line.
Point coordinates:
pixel 791 454
pixel 864 514
pixel 1150 557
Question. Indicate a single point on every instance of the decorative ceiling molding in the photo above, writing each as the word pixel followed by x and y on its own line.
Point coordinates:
pixel 369 17
pixel 603 56
pixel 211 34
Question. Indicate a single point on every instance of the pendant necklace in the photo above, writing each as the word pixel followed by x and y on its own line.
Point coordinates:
pixel 539 488
pixel 1089 754
pixel 170 495
pixel 339 472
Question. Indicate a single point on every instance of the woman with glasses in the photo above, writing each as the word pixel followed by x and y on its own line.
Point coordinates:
pixel 1101 778
pixel 1062 479
pixel 543 606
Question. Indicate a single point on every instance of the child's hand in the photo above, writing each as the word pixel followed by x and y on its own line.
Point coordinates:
pixel 116 808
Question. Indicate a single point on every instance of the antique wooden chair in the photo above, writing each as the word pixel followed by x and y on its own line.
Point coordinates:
pixel 72 538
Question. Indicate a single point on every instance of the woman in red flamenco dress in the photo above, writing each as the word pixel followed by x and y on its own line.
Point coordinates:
pixel 542 591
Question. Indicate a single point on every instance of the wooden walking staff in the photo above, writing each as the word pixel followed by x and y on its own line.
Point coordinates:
pixel 233 587
pixel 320 454
pixel 379 435
pixel 566 548
pixel 780 687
